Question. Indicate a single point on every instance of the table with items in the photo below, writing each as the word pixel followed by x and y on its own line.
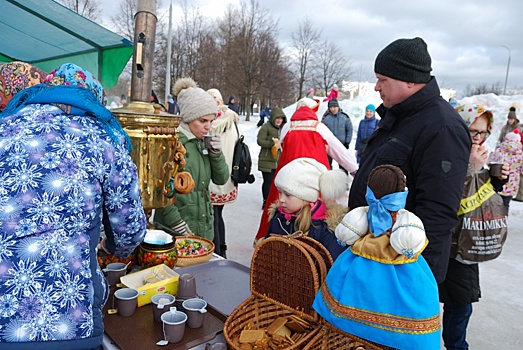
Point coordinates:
pixel 223 284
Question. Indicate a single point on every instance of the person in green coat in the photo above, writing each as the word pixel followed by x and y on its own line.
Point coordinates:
pixel 192 213
pixel 269 137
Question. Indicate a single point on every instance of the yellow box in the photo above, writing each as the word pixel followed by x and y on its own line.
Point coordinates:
pixel 136 280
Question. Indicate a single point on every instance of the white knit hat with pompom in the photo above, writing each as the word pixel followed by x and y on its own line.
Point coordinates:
pixel 194 102
pixel 353 226
pixel 408 234
pixel 306 179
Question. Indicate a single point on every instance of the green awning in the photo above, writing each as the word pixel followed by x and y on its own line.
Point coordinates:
pixel 47 34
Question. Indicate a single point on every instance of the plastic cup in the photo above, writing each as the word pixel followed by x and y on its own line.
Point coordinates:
pixel 186 286
pixel 495 169
pixel 114 271
pixel 207 141
pixel 195 309
pixel 161 303
pixel 173 325
pixel 125 300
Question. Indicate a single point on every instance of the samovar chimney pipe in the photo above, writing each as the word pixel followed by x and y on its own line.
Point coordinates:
pixel 153 135
pixel 143 57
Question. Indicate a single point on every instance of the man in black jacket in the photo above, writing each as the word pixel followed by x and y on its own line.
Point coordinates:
pixel 423 135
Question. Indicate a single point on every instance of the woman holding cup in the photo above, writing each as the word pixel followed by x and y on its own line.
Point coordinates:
pixel 461 285
pixel 225 126
pixel 192 212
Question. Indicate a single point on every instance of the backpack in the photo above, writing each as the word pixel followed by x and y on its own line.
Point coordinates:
pixel 241 162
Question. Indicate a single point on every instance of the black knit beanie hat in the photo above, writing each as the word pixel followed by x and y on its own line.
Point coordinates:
pixel 405 59
pixel 333 103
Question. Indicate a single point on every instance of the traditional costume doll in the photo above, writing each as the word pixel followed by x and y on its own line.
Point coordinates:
pixel 381 288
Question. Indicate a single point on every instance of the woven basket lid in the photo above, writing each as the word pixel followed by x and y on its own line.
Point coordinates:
pixel 320 248
pixel 284 272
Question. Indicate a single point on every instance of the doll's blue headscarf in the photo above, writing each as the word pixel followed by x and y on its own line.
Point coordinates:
pixel 76 92
pixel 378 215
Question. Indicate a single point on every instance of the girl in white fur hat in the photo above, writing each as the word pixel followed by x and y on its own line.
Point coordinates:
pixel 299 207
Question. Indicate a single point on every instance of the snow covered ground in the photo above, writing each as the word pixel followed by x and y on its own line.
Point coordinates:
pixel 497 318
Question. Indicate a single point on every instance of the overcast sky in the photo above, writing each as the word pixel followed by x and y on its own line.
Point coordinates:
pixel 464 37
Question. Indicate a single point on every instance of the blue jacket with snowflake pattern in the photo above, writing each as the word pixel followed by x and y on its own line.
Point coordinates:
pixel 61 178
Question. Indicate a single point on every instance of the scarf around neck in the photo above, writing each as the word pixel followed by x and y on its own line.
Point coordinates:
pixel 73 100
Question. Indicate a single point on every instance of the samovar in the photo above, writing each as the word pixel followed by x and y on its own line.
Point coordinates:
pixel 153 132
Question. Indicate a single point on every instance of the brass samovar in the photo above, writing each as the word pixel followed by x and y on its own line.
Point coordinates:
pixel 153 132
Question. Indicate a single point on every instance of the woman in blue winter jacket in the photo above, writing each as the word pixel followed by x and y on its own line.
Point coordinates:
pixel 365 129
pixel 66 171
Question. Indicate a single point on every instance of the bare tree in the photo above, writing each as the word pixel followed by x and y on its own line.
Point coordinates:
pixel 249 36
pixel 87 8
pixel 239 54
pixel 330 66
pixel 227 33
pixel 187 38
pixel 483 88
pixel 123 20
pixel 305 41
pixel 210 68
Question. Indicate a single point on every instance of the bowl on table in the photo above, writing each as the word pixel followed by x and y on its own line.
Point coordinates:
pixel 193 250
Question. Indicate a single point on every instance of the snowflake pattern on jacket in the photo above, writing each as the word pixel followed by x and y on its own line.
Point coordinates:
pixel 60 177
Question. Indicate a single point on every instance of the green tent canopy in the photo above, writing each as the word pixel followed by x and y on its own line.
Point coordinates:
pixel 47 34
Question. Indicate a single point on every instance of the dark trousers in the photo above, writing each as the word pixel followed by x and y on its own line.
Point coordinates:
pixel 455 321
pixel 506 202
pixel 342 168
pixel 261 121
pixel 266 186
pixel 219 231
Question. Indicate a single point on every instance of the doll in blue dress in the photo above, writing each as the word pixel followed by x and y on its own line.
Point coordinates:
pixel 381 289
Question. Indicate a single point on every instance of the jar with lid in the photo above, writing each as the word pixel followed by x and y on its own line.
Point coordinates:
pixel 155 254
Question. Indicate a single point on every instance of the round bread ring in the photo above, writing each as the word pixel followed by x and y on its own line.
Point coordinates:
pixel 180 148
pixel 183 182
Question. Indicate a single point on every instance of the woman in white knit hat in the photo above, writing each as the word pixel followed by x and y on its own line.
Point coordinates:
pixel 225 126
pixel 300 209
pixel 192 212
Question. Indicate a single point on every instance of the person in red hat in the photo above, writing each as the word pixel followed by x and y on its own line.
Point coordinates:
pixel 306 137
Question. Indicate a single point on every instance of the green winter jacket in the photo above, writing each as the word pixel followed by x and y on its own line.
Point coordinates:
pixel 266 162
pixel 195 207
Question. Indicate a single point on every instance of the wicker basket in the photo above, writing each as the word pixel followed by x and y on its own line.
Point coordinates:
pixel 183 261
pixel 332 338
pixel 320 248
pixel 285 277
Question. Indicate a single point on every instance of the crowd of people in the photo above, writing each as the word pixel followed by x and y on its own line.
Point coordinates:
pixel 67 174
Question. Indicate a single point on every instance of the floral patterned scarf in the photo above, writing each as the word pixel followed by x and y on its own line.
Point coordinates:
pixel 16 76
pixel 76 92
